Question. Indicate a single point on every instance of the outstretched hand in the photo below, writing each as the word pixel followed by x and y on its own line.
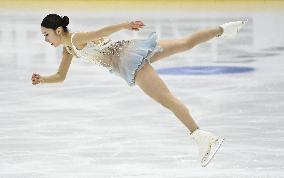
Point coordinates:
pixel 36 79
pixel 135 25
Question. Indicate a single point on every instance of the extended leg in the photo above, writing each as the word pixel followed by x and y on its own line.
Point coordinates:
pixel 173 46
pixel 150 82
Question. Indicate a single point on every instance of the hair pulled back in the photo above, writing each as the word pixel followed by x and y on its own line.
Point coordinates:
pixel 54 21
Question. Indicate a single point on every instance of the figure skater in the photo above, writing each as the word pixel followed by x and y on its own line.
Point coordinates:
pixel 131 60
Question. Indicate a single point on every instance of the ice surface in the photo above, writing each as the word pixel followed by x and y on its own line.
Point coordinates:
pixel 94 125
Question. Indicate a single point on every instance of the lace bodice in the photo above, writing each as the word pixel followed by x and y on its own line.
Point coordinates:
pixel 100 53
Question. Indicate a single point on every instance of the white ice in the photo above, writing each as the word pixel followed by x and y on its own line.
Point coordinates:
pixel 94 126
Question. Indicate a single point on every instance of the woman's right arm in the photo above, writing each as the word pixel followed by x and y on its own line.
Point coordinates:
pixel 61 73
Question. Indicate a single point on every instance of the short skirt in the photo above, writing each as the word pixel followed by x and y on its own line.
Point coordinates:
pixel 134 56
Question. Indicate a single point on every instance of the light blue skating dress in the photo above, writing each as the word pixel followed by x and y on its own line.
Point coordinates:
pixel 123 58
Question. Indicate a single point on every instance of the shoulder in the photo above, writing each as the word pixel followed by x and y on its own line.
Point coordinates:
pixel 78 36
pixel 78 39
pixel 87 36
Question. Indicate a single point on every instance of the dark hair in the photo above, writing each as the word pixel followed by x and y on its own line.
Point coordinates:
pixel 54 21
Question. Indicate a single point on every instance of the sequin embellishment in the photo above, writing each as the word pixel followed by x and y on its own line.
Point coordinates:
pixel 102 53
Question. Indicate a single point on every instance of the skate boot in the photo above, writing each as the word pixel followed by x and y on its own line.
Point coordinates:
pixel 230 29
pixel 208 145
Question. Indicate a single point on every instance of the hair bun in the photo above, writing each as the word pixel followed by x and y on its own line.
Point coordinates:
pixel 65 21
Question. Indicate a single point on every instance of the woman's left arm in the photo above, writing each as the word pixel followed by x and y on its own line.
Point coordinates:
pixel 84 37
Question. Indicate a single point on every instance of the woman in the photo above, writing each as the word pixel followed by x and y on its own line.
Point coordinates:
pixel 131 60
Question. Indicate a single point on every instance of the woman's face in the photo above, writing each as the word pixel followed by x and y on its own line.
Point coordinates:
pixel 51 36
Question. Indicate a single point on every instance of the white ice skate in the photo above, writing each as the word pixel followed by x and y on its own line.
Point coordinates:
pixel 208 145
pixel 230 29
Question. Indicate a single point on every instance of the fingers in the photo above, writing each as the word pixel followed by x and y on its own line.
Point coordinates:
pixel 35 82
pixel 35 79
pixel 139 23
pixel 136 25
pixel 36 76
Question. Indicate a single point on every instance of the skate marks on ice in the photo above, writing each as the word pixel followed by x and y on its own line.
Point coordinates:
pixel 93 125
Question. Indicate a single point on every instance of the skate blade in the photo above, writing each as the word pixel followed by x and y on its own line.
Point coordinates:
pixel 213 152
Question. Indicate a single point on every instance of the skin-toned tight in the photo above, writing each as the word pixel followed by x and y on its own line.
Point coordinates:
pixel 151 84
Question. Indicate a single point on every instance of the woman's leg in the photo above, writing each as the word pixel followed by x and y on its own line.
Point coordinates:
pixel 173 46
pixel 150 82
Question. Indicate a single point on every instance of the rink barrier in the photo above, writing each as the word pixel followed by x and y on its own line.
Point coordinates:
pixel 146 5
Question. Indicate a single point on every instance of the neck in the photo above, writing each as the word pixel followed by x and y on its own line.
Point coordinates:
pixel 66 39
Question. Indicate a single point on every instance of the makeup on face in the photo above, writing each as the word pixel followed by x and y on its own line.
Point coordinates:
pixel 49 36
